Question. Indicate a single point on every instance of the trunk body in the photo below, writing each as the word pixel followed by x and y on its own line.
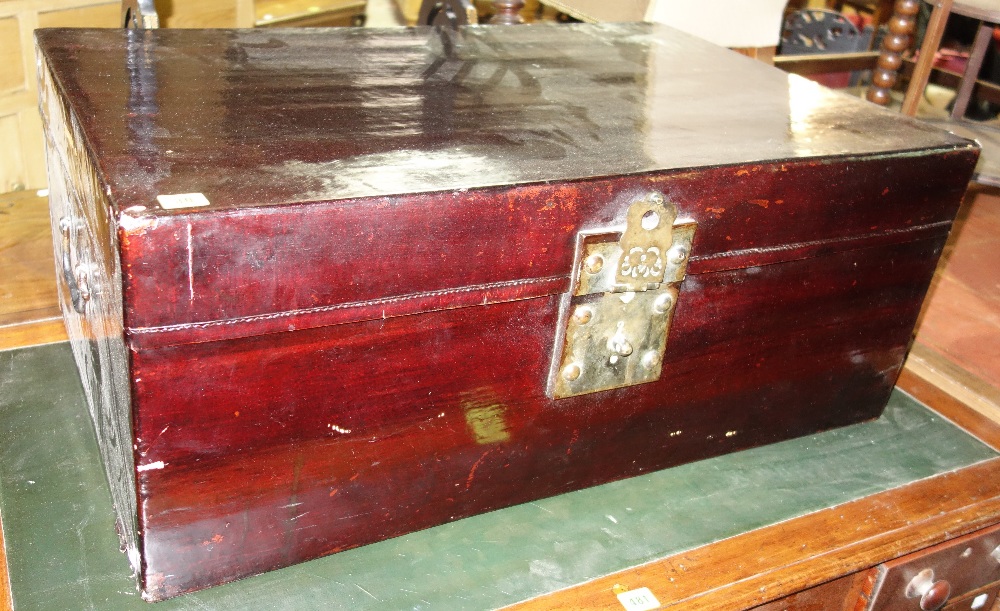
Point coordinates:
pixel 324 288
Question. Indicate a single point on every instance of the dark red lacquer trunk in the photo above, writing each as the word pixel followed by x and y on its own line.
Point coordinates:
pixel 329 287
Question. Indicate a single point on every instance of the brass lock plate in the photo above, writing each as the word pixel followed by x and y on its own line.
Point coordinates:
pixel 617 317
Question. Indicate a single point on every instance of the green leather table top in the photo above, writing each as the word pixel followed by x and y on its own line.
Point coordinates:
pixel 63 552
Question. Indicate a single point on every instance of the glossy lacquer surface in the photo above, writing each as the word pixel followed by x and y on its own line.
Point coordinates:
pixel 452 126
pixel 253 117
pixel 259 452
pixel 352 339
pixel 303 266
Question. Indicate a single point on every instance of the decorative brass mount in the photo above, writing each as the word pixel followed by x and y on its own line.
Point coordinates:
pixel 617 315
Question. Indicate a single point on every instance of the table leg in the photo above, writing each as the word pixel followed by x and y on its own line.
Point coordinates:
pixel 922 71
pixel 507 12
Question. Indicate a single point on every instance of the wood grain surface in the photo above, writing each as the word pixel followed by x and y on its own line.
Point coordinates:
pixel 927 388
pixel 959 395
pixel 962 326
pixel 29 307
pixel 287 404
pixel 28 291
pixel 45 331
pixel 461 103
pixel 313 262
pixel 836 541
pixel 833 542
pixel 5 595
pixel 837 595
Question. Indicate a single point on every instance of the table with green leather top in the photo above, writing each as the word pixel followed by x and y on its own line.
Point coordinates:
pixel 727 532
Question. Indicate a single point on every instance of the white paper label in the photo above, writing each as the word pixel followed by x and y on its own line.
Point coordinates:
pixel 980 601
pixel 181 200
pixel 640 599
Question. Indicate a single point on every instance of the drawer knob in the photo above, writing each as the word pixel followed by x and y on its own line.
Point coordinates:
pixel 932 594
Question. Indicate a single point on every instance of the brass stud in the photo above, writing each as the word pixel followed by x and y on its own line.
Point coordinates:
pixel 594 263
pixel 583 314
pixel 650 359
pixel 663 303
pixel 677 255
pixel 655 198
pixel 571 372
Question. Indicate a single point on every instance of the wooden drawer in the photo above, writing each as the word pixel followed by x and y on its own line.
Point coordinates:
pixel 951 571
pixel 984 599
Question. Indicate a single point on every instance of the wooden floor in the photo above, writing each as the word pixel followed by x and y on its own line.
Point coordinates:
pixel 29 312
pixel 958 338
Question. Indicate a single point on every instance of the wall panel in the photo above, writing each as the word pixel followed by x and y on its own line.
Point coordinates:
pixel 22 159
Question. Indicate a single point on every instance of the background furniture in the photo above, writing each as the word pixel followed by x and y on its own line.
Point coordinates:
pixel 22 159
pixel 501 12
pixel 879 10
pixel 822 31
pixel 985 10
pixel 891 63
pixel 753 27
pixel 307 13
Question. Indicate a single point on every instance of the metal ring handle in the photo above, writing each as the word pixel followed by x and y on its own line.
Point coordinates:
pixel 139 15
pixel 451 13
pixel 79 290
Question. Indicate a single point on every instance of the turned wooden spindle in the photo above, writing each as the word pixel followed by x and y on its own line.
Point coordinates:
pixel 890 59
pixel 507 12
pixel 925 62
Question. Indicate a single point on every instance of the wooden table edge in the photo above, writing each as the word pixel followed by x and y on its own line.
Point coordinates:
pixel 32 333
pixel 960 396
pixel 937 509
pixel 6 596
pixel 829 543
